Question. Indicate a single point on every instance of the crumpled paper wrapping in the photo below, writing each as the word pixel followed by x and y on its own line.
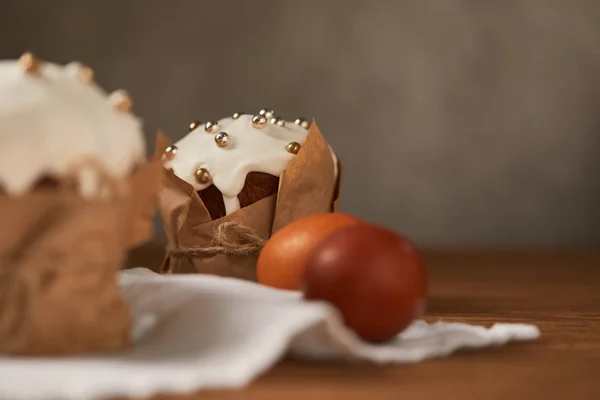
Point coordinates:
pixel 307 186
pixel 211 332
pixel 59 258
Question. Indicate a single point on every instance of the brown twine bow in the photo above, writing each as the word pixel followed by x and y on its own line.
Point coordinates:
pixel 249 242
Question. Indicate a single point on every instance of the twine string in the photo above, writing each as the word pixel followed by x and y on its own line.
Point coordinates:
pixel 230 238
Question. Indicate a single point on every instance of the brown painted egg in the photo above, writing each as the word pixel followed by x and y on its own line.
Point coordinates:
pixel 281 261
pixel 372 275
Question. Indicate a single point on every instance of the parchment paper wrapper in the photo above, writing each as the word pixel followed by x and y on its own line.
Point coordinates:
pixel 59 257
pixel 306 187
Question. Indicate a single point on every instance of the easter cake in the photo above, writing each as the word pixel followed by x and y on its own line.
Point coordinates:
pixel 76 192
pixel 257 170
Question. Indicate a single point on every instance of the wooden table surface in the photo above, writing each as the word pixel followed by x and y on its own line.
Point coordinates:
pixel 557 291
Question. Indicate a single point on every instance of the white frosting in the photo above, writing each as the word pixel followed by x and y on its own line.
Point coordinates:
pixel 50 121
pixel 250 149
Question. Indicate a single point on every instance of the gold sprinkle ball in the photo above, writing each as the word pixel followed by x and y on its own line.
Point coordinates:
pixel 278 121
pixel 222 139
pixel 193 125
pixel 85 75
pixel 202 175
pixel 211 126
pixel 303 122
pixel 30 63
pixel 293 147
pixel 238 114
pixel 267 113
pixel 170 152
pixel 121 101
pixel 259 121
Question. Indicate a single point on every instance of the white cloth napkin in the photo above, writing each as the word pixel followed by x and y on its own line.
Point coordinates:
pixel 198 332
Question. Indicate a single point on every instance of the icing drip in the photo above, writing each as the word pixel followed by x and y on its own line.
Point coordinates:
pixel 232 204
pixel 54 118
pixel 250 149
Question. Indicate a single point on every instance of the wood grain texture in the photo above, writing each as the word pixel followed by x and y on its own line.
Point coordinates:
pixel 558 291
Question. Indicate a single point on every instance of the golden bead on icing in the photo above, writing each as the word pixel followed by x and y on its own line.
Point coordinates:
pixel 170 152
pixel 85 75
pixel 222 139
pixel 238 114
pixel 278 121
pixel 202 175
pixel 211 126
pixel 194 124
pixel 302 122
pixel 259 121
pixel 30 63
pixel 267 113
pixel 293 147
pixel 121 101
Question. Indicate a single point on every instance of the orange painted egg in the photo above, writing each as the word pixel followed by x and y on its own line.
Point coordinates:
pixel 283 258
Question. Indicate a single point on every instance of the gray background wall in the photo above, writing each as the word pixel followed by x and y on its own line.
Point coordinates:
pixel 460 123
